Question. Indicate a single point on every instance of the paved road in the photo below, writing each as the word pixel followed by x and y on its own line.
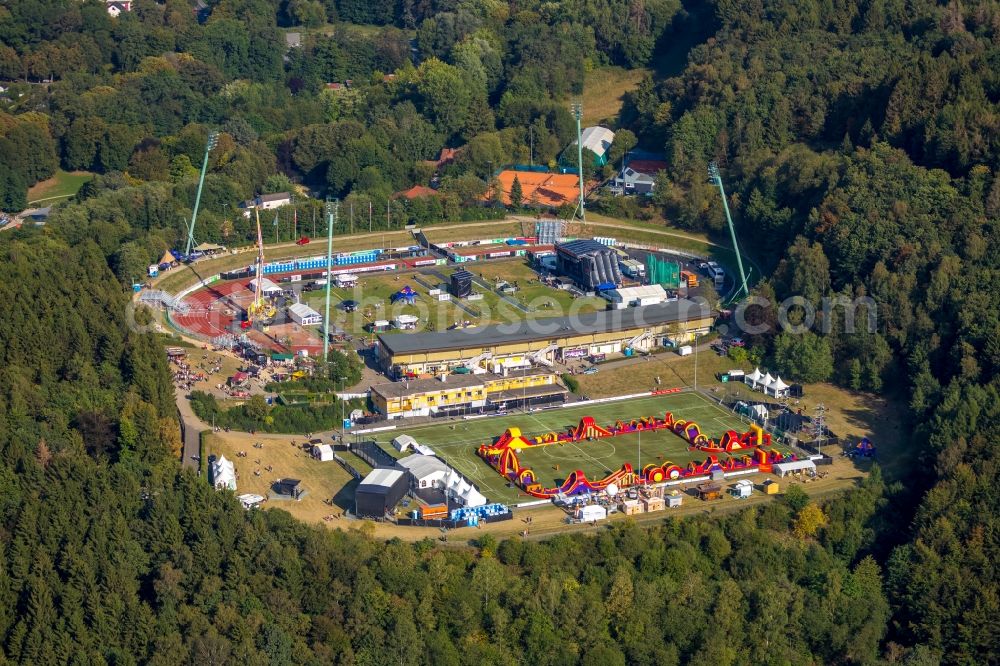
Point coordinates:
pixel 191 429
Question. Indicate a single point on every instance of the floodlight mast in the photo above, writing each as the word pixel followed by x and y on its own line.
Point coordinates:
pixel 578 113
pixel 213 140
pixel 716 178
pixel 331 217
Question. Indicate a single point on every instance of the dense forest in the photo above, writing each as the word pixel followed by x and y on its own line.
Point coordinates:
pixel 859 145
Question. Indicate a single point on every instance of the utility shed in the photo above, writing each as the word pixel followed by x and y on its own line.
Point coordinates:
pixel 742 489
pixel 709 491
pixel 379 492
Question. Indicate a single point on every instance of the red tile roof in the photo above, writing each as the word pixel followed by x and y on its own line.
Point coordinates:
pixel 416 192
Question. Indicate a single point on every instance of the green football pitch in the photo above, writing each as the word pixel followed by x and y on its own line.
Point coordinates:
pixel 456 441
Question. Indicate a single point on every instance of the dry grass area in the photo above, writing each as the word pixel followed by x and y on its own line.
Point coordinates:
pixel 624 377
pixel 62 185
pixel 321 480
pixel 204 361
pixel 603 89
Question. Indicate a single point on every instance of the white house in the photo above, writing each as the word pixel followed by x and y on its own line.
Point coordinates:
pixel 638 177
pixel 116 7
pixel 304 315
pixel 266 202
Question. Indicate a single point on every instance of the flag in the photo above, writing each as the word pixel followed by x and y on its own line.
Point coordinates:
pixel 275 219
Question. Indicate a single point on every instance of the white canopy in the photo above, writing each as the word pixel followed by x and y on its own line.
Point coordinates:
pixel 403 442
pixel 323 452
pixel 407 319
pixel 768 380
pixel 779 385
pixel 753 377
pixel 223 473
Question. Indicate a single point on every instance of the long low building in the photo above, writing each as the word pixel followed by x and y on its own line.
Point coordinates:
pixel 457 393
pixel 502 347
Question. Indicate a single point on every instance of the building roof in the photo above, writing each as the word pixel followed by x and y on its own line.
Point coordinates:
pixel 629 294
pixel 266 198
pixel 597 139
pixel 582 246
pixel 545 329
pixel 647 167
pixel 416 192
pixel 380 479
pixel 423 466
pixel 637 176
pixel 547 189
pixel 446 157
pixel 302 310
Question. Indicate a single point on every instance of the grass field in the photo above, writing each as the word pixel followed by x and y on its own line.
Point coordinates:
pixel 603 89
pixel 62 185
pixel 456 441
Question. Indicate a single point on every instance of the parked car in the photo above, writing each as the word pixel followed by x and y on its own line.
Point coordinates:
pixel 737 342
pixel 303 241
pixel 592 370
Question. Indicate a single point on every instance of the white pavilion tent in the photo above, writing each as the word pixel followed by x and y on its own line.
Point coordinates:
pixel 223 473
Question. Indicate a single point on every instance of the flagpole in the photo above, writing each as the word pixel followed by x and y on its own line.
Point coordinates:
pixel 369 217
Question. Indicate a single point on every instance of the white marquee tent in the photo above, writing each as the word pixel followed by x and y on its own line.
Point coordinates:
pixel 223 473
pixel 322 452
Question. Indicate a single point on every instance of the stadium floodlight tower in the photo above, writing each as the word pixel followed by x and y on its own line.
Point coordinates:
pixel 213 140
pixel 578 113
pixel 716 178
pixel 331 217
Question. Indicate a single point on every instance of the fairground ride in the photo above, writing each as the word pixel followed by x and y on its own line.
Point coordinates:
pixel 261 310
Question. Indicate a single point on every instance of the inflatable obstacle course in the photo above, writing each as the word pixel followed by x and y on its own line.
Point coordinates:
pixel 746 450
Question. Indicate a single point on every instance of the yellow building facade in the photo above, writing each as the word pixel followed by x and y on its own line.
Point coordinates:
pixel 422 397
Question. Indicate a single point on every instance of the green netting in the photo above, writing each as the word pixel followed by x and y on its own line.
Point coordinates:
pixel 663 272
